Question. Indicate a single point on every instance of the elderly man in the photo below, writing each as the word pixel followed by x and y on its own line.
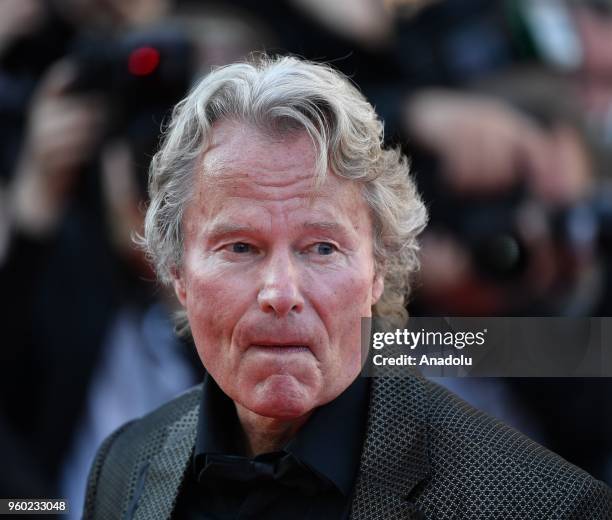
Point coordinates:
pixel 280 221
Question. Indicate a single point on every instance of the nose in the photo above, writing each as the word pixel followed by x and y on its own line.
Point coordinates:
pixel 280 292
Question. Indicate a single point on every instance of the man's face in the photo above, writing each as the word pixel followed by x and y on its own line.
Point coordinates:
pixel 276 276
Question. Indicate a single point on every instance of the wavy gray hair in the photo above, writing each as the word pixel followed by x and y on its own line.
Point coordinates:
pixel 283 95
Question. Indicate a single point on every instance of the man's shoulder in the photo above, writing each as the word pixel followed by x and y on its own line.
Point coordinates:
pixel 181 408
pixel 458 430
pixel 125 455
pixel 176 416
pixel 492 465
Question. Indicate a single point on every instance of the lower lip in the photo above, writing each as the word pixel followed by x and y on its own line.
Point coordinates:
pixel 274 349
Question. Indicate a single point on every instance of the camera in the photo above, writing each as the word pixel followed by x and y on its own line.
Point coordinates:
pixel 142 75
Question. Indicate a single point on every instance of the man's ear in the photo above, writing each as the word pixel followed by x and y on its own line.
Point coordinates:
pixel 178 282
pixel 378 287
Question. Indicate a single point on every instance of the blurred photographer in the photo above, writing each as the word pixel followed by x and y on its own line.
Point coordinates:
pixel 513 172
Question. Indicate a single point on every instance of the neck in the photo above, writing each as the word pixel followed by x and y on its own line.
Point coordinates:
pixel 266 434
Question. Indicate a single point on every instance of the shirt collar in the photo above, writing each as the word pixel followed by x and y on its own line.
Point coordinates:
pixel 330 442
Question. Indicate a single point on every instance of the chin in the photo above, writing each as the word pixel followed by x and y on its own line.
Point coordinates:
pixel 281 397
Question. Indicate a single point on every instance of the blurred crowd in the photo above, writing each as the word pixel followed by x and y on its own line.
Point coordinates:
pixel 505 108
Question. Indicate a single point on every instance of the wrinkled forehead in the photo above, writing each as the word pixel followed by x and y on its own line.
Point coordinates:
pixel 248 170
pixel 244 158
pixel 238 147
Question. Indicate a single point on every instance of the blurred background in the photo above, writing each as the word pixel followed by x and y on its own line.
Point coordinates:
pixel 505 108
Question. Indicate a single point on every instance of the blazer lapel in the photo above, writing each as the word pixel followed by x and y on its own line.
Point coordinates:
pixel 394 458
pixel 161 481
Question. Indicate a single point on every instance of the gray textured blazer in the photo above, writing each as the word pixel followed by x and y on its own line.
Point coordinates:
pixel 427 454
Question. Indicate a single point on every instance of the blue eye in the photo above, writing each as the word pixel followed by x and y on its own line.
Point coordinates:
pixel 325 248
pixel 241 247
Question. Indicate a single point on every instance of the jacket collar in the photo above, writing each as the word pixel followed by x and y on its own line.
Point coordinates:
pixel 159 482
pixel 395 453
pixel 393 461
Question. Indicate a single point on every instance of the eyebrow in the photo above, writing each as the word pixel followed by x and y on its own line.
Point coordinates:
pixel 226 228
pixel 324 226
pixel 229 229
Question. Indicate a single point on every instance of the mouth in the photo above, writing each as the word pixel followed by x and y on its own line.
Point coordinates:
pixel 280 348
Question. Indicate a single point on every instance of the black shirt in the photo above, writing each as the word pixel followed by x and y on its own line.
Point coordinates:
pixel 312 477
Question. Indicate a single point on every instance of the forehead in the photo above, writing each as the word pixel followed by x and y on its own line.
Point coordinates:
pixel 247 170
pixel 239 149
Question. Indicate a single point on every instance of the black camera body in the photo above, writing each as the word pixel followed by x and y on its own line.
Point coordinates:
pixel 141 74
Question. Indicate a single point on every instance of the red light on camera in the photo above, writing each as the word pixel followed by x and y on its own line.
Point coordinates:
pixel 143 61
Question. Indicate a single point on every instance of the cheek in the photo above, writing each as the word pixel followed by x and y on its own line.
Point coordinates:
pixel 353 290
pixel 357 295
pixel 345 299
pixel 214 306
pixel 211 288
pixel 351 303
